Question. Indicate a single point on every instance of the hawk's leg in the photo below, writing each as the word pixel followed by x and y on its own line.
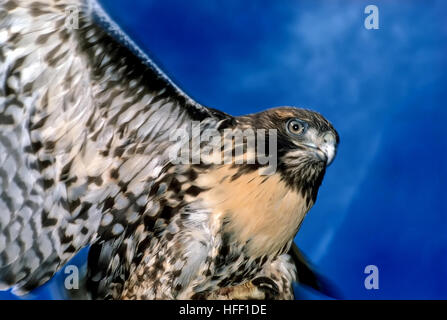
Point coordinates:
pixel 261 288
pixel 273 282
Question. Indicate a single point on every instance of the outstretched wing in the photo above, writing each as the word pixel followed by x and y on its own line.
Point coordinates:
pixel 85 119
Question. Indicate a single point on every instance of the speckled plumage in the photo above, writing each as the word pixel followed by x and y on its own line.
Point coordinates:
pixel 85 119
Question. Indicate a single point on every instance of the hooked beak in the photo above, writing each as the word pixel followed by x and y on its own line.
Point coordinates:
pixel 325 152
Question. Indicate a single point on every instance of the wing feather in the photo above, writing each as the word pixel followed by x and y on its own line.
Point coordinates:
pixel 306 274
pixel 85 118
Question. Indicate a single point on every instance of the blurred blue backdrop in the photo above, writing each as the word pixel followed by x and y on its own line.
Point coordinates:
pixel 383 200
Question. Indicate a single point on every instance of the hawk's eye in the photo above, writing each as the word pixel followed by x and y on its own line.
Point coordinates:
pixel 296 127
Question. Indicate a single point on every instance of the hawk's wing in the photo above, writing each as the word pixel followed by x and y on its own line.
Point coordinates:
pixel 85 119
pixel 306 274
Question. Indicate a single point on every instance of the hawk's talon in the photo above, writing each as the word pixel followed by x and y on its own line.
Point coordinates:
pixel 268 286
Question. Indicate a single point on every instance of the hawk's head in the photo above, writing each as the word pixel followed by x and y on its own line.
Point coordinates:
pixel 264 210
pixel 306 144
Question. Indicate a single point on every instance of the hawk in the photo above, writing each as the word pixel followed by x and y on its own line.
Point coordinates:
pixel 86 120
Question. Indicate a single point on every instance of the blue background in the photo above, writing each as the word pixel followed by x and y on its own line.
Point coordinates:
pixel 383 200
